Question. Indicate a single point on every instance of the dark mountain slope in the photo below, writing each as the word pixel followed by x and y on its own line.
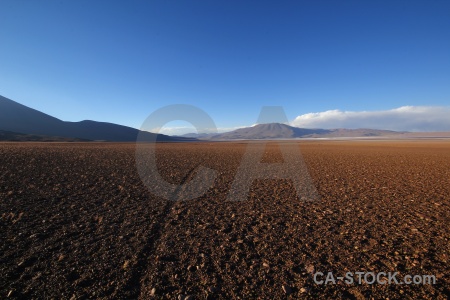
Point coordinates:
pixel 22 137
pixel 15 117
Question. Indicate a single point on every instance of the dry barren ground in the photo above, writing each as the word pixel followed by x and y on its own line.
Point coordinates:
pixel 77 222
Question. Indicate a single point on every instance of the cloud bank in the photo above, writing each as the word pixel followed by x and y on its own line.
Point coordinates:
pixel 405 118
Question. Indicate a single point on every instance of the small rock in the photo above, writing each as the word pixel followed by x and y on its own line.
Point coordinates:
pixel 310 269
pixel 266 265
pixel 153 292
pixel 191 268
pixel 287 289
pixel 356 294
pixel 302 290
pixel 126 264
pixel 189 297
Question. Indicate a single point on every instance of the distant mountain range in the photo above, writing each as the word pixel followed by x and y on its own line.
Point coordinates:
pixel 283 131
pixel 20 122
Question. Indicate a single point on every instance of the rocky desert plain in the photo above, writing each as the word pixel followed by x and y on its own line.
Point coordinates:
pixel 77 222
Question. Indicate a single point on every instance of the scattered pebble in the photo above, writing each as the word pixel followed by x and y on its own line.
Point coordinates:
pixel 310 269
pixel 191 268
pixel 287 289
pixel 356 294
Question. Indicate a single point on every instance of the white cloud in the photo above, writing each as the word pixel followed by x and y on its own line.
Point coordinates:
pixel 405 118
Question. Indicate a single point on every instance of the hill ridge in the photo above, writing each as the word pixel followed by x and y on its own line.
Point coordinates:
pixel 18 118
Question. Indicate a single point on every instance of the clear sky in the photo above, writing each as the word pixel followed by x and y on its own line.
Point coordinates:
pixel 118 61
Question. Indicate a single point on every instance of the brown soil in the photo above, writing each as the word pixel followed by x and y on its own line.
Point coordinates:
pixel 77 222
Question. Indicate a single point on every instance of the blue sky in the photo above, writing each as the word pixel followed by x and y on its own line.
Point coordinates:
pixel 119 61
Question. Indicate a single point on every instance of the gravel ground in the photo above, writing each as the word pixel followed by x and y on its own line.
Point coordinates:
pixel 77 222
